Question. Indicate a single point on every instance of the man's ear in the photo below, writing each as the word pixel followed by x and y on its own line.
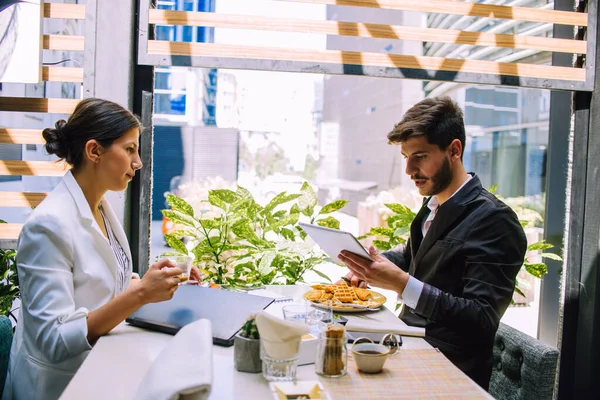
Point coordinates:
pixel 93 151
pixel 456 149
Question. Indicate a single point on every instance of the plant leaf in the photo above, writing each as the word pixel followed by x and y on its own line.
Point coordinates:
pixel 493 189
pixel 288 234
pixel 264 267
pixel 333 206
pixel 226 195
pixel 322 275
pixel 329 222
pixel 537 270
pixel 216 201
pixel 308 198
pixel 541 245
pixel 281 198
pixel 519 291
pixel 382 245
pixel 177 217
pixel 400 209
pixel 179 204
pixel 243 192
pixel 381 231
pixel 551 256
pixel 176 244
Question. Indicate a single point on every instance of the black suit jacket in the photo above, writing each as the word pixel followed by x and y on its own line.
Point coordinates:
pixel 468 262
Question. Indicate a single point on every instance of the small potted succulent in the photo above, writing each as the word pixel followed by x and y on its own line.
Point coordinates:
pixel 246 348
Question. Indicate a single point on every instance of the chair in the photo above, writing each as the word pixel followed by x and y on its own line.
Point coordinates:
pixel 523 368
pixel 5 342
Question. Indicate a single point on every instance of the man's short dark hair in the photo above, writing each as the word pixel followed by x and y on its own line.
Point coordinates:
pixel 439 119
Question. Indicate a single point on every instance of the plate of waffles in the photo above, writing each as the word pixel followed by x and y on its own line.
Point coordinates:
pixel 344 298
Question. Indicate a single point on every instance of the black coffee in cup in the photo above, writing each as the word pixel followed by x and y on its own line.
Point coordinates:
pixel 372 352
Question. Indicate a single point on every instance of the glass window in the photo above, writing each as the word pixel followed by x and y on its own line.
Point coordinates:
pixel 172 104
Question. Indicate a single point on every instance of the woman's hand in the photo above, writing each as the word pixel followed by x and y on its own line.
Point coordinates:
pixel 195 274
pixel 158 284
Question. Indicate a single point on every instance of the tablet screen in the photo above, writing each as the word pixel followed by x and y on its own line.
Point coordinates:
pixel 333 241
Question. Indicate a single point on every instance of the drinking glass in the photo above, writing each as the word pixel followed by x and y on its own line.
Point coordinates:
pixel 185 263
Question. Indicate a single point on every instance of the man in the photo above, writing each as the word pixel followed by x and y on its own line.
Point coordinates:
pixel 457 272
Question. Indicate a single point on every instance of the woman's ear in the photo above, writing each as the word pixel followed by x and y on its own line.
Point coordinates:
pixel 93 151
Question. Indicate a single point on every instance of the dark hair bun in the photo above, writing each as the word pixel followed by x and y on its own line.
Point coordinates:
pixel 56 141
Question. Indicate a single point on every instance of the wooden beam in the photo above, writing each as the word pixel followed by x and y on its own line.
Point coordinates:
pixel 167 17
pixel 466 9
pixel 42 105
pixel 62 74
pixel 33 168
pixel 10 231
pixel 366 59
pixel 21 199
pixel 21 136
pixel 63 42
pixel 66 11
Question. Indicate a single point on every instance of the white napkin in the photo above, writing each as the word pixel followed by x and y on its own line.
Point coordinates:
pixel 280 339
pixel 383 321
pixel 183 369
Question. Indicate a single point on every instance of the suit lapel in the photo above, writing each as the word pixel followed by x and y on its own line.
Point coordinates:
pixel 416 233
pixel 88 220
pixel 447 214
pixel 116 228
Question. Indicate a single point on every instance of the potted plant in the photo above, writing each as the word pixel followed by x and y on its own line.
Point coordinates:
pixel 246 348
pixel 236 241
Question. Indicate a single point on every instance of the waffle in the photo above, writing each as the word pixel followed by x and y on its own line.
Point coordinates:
pixel 362 294
pixel 314 295
pixel 344 294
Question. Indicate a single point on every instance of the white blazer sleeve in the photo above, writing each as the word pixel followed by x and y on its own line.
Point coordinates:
pixel 44 262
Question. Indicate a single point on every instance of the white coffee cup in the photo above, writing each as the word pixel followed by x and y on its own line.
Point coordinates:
pixel 370 357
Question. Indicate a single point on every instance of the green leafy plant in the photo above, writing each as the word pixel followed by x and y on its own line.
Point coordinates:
pixel 239 242
pixel 249 330
pixel 9 281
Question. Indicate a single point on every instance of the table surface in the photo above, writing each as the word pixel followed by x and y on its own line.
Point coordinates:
pixel 118 362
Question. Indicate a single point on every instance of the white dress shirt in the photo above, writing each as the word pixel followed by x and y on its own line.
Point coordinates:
pixel 414 287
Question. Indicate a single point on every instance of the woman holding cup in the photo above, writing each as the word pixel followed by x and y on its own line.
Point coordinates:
pixel 73 258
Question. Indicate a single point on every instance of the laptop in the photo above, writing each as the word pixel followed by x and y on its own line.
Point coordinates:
pixel 226 310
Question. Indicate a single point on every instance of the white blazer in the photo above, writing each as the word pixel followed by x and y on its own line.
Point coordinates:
pixel 66 269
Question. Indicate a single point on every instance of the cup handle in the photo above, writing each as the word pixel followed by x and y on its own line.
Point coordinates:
pixel 362 340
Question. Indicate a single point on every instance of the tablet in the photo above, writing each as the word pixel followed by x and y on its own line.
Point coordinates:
pixel 333 241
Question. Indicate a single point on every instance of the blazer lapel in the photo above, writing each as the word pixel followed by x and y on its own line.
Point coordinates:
pixel 87 219
pixel 416 233
pixel 447 214
pixel 117 228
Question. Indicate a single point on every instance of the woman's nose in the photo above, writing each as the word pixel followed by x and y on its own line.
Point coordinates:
pixel 137 164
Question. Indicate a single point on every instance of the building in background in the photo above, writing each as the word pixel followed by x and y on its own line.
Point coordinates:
pixel 195 135
pixel 358 112
pixel 507 128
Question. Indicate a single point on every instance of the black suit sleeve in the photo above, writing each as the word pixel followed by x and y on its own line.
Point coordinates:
pixel 401 256
pixel 493 253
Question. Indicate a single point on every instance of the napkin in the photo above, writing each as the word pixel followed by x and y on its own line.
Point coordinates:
pixel 280 339
pixel 183 369
pixel 383 321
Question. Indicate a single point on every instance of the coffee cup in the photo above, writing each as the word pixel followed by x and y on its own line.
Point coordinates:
pixel 370 357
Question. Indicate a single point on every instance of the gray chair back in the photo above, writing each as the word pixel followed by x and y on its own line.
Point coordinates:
pixel 6 334
pixel 523 368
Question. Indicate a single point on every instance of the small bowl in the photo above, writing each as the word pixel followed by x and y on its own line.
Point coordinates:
pixel 370 357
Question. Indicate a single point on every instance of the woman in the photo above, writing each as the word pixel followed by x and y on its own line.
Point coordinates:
pixel 73 258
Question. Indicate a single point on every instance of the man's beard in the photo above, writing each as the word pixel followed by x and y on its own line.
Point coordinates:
pixel 441 180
